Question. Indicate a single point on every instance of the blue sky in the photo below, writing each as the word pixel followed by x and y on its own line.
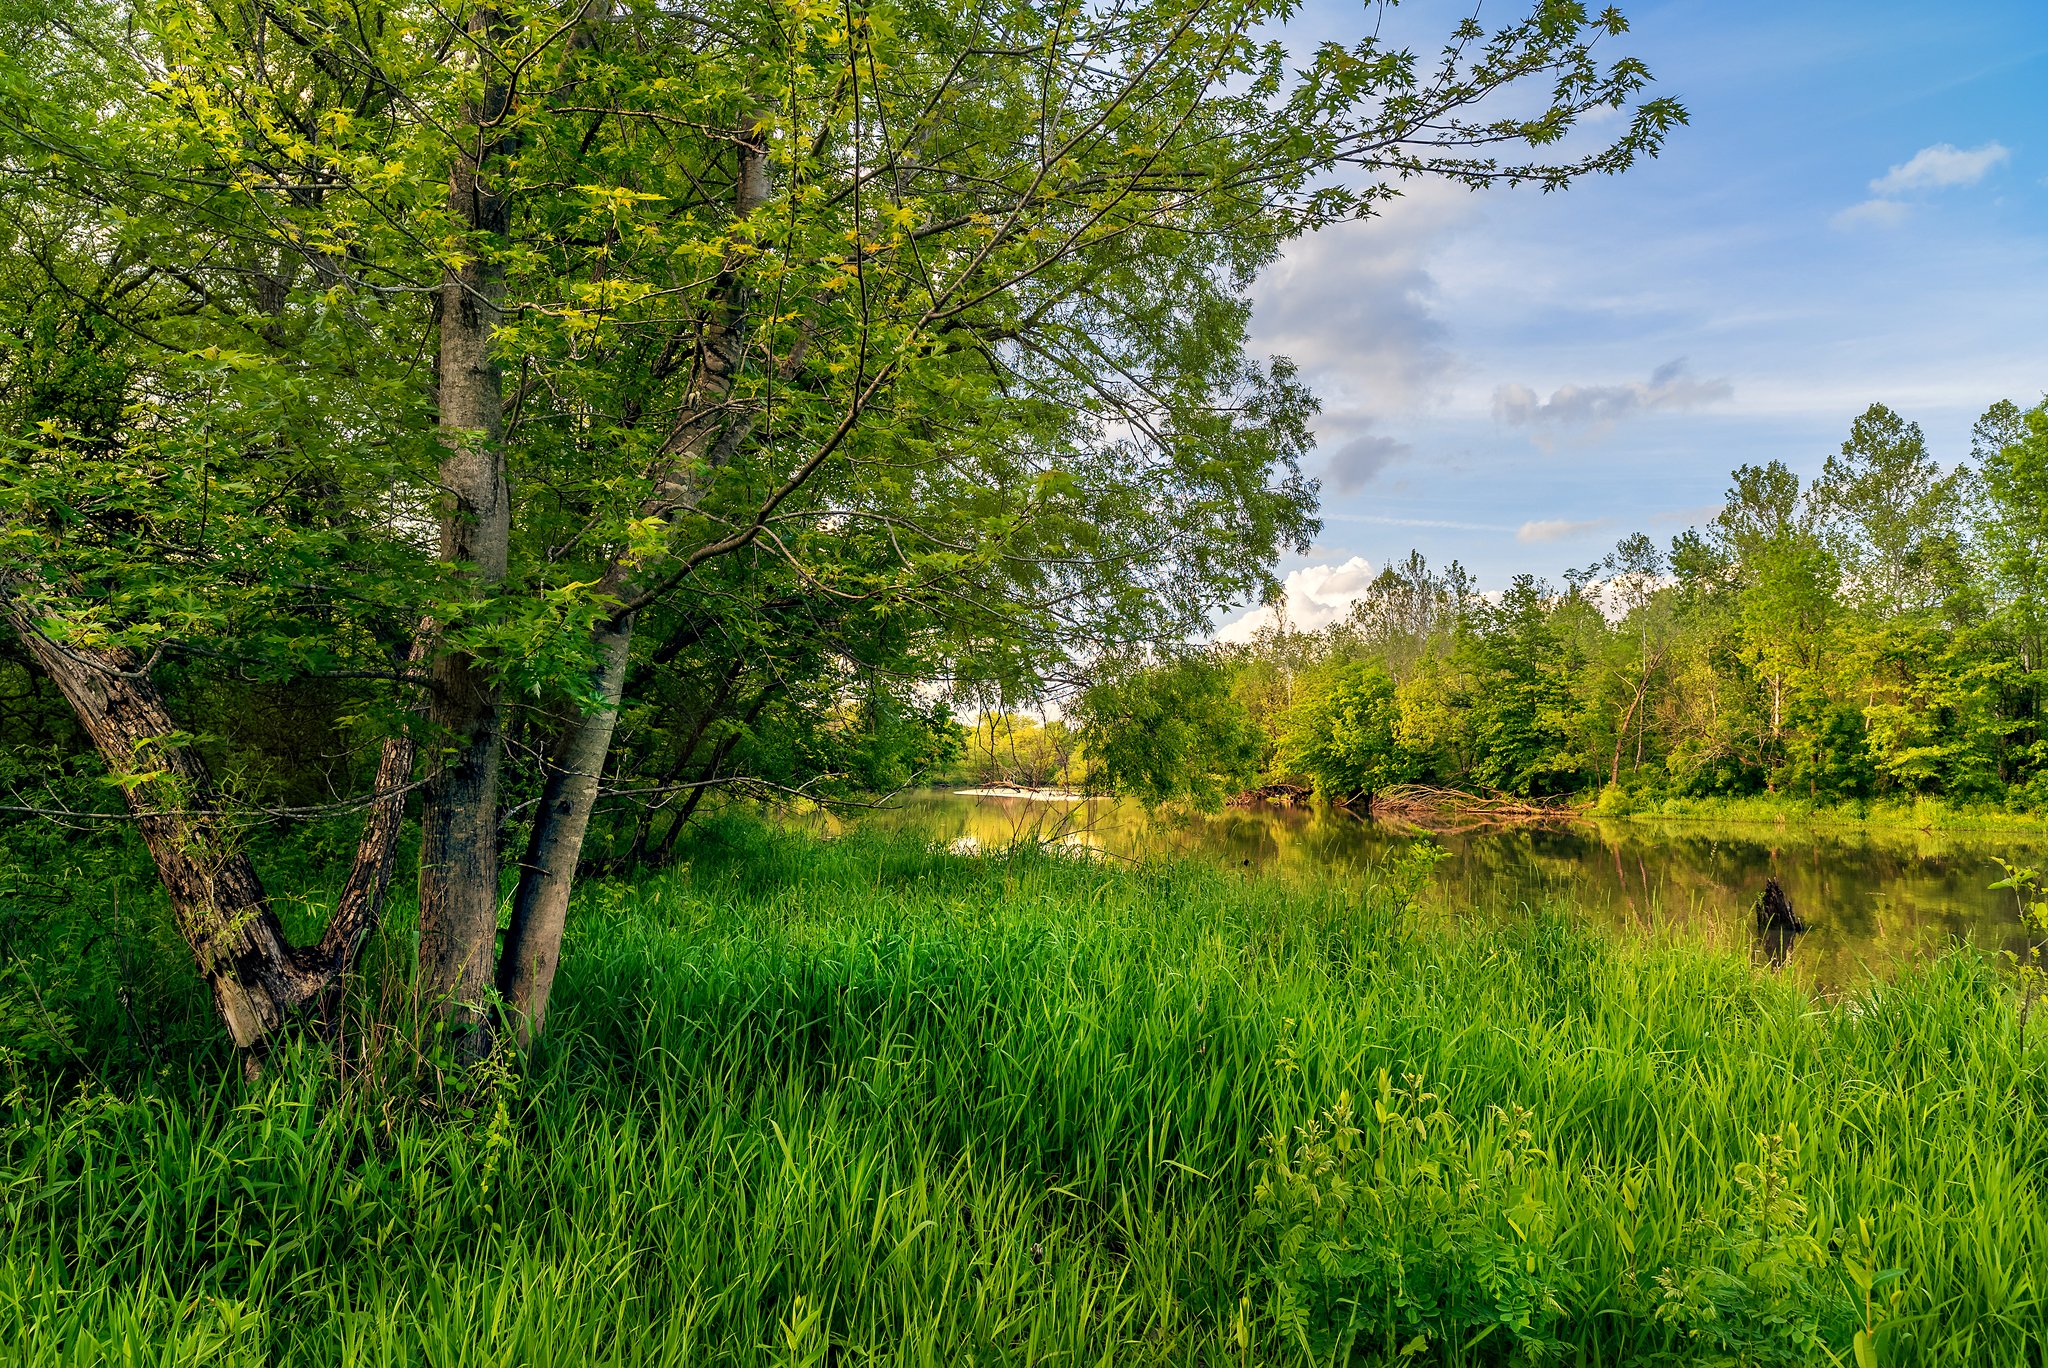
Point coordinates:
pixel 1858 212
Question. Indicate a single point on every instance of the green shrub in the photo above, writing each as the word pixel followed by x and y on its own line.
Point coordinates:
pixel 1757 1288
pixel 1408 1230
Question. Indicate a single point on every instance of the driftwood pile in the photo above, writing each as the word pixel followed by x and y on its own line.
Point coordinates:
pixel 1402 799
pixel 1449 812
pixel 1421 805
pixel 1278 795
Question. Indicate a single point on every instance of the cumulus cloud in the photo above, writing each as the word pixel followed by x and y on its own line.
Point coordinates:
pixel 1940 166
pixel 1356 303
pixel 1312 597
pixel 1556 529
pixel 1601 406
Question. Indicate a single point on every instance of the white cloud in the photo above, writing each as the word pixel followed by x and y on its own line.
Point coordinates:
pixel 1314 596
pixel 1931 168
pixel 1355 306
pixel 1356 302
pixel 1873 213
pixel 1556 529
pixel 1939 166
pixel 1601 406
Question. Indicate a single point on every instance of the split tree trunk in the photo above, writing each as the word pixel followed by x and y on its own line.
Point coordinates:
pixel 459 818
pixel 259 981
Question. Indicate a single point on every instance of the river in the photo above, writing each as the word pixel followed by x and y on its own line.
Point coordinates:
pixel 1871 897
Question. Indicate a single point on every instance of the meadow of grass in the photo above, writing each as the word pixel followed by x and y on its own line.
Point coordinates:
pixel 866 1102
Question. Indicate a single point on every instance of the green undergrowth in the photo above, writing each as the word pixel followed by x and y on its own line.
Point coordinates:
pixel 865 1102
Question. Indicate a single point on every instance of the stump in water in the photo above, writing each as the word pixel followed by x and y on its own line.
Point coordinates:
pixel 1777 925
pixel 1774 910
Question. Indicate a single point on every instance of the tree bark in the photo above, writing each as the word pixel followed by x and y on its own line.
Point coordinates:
pixel 459 818
pixel 533 942
pixel 259 981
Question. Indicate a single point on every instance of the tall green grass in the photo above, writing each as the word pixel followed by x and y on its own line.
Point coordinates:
pixel 864 1102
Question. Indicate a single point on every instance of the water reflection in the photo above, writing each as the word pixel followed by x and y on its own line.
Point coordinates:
pixel 1869 898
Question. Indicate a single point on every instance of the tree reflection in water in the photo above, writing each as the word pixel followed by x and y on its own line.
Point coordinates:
pixel 1871 897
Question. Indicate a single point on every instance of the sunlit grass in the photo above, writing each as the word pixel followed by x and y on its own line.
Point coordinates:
pixel 1897 814
pixel 862 1101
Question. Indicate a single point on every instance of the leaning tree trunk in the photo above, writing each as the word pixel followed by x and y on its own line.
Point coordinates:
pixel 459 817
pixel 701 442
pixel 259 981
pixel 533 942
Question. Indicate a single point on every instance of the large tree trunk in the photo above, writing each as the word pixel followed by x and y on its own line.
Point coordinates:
pixel 459 820
pixel 258 979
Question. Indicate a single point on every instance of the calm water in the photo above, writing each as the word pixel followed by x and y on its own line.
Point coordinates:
pixel 1870 898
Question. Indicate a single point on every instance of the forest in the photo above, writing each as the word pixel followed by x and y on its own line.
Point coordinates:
pixel 1872 636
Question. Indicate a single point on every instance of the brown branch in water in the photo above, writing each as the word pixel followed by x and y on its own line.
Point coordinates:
pixel 1447 810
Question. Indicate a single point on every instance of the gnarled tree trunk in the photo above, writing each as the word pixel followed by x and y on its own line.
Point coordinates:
pixel 258 979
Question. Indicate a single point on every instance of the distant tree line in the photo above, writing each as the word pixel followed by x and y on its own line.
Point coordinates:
pixel 1876 632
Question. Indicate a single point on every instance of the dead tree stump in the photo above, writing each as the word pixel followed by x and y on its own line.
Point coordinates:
pixel 1774 910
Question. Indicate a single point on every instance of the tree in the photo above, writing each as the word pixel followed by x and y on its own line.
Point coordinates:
pixel 1889 514
pixel 555 322
pixel 2011 523
pixel 1632 589
pixel 1345 736
pixel 1168 732
pixel 1524 708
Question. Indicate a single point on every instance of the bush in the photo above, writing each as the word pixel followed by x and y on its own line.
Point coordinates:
pixel 1414 1230
pixel 1759 1289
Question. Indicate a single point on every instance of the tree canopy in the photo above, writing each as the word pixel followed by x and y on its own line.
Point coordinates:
pixel 1871 634
pixel 636 396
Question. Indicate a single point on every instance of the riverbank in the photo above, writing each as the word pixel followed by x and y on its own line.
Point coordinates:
pixel 1921 814
pixel 1423 806
pixel 861 1101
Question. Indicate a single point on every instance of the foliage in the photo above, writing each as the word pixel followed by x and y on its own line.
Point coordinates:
pixel 1017 748
pixel 619 403
pixel 2029 969
pixel 1345 734
pixel 1758 1287
pixel 1172 732
pixel 1873 636
pixel 1411 1231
